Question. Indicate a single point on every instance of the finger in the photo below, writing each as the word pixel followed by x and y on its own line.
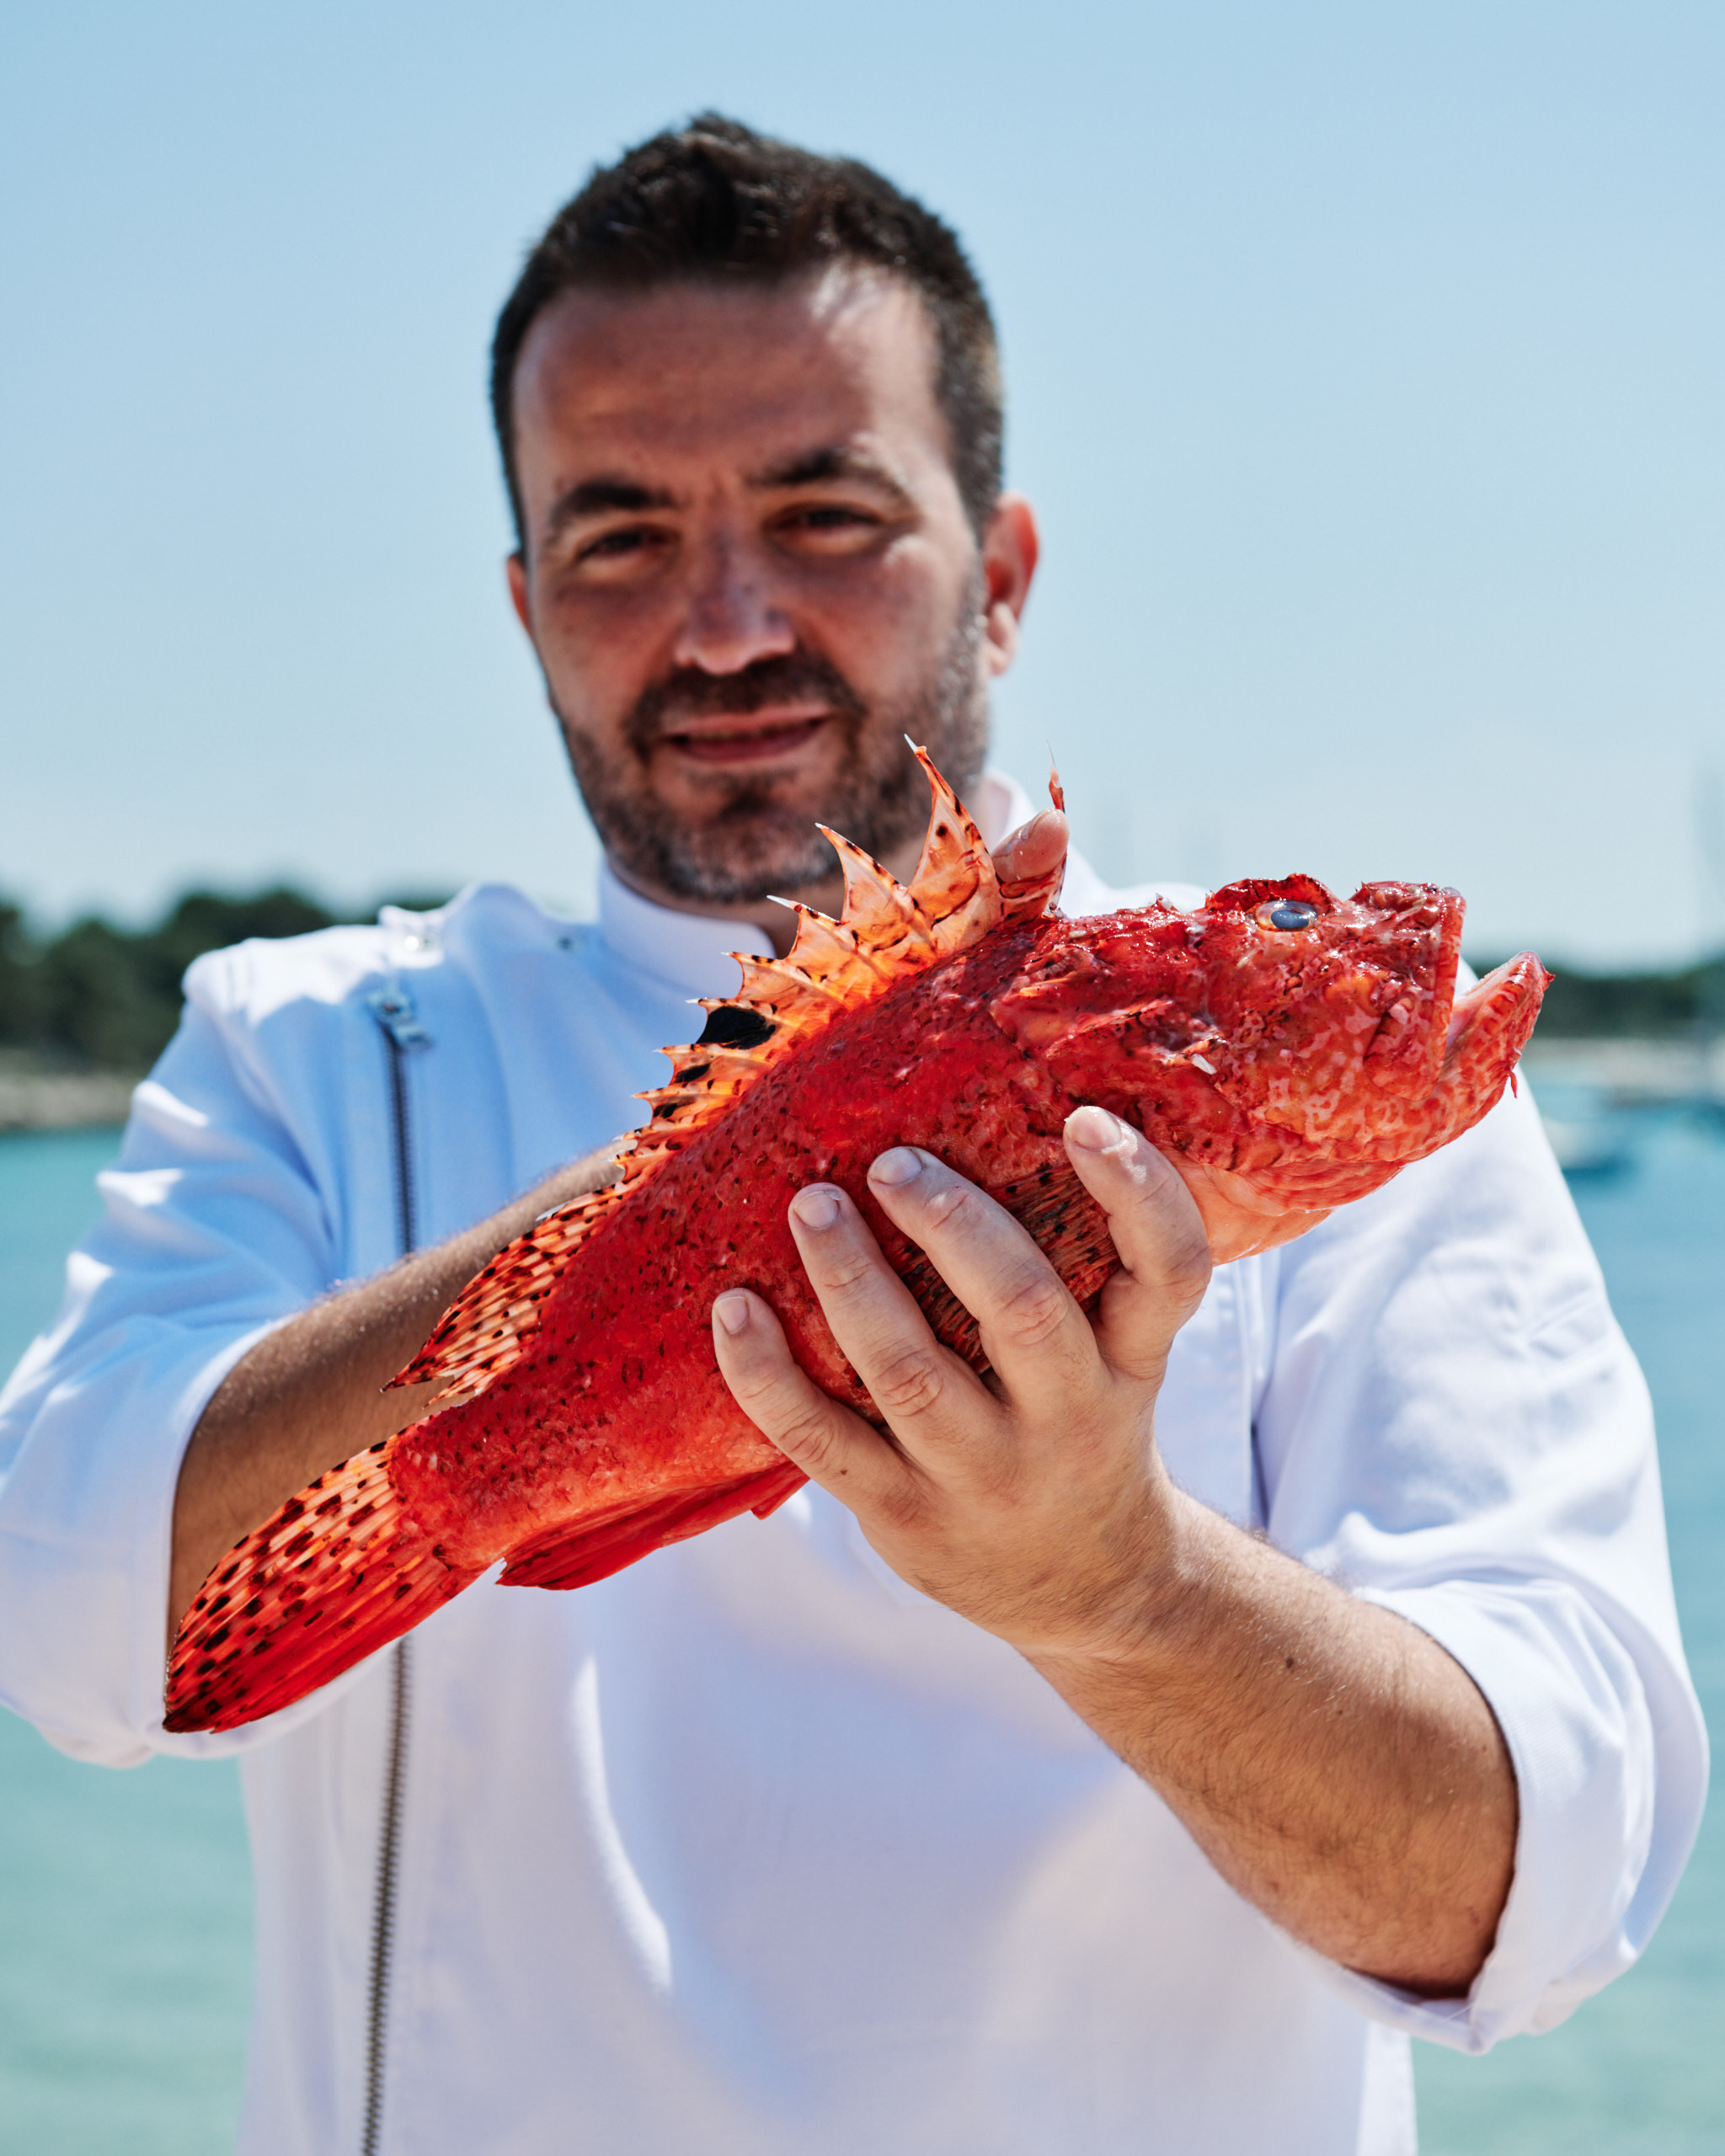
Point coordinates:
pixel 1033 1333
pixel 1158 1231
pixel 832 1446
pixel 1033 848
pixel 924 1391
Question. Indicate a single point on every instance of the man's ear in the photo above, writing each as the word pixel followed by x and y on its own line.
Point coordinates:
pixel 1010 549
pixel 517 570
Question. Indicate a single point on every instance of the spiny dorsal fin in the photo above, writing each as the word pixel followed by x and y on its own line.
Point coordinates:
pixel 888 931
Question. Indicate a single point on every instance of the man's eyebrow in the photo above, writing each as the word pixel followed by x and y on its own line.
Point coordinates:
pixel 834 461
pixel 594 497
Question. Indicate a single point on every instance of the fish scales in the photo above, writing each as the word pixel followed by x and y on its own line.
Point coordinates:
pixel 527 1453
pixel 1289 1051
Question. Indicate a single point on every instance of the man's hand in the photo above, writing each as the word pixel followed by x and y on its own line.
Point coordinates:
pixel 1036 1506
pixel 1337 1766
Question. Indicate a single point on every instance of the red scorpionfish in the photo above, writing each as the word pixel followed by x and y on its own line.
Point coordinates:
pixel 1287 1050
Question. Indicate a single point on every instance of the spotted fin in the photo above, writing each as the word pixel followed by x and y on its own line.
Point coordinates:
pixel 337 1572
pixel 483 1332
pixel 887 932
pixel 571 1557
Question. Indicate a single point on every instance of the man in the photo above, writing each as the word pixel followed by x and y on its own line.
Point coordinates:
pixel 1011 1789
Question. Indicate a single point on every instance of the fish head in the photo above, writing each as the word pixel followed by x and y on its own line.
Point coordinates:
pixel 1280 1031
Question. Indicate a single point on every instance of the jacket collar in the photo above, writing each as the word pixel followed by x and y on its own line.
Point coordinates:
pixel 687 949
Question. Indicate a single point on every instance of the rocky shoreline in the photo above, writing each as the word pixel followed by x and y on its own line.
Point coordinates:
pixel 1633 1070
pixel 35 1097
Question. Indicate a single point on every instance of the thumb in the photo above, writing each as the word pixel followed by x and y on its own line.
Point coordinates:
pixel 1035 849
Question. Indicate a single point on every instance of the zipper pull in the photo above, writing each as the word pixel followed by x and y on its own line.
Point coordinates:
pixel 393 1009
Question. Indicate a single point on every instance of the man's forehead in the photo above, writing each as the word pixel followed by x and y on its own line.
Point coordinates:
pixel 756 374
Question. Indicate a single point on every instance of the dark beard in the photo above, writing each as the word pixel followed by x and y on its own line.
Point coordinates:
pixel 751 845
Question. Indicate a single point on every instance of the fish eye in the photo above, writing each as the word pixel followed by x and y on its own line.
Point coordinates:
pixel 1290 913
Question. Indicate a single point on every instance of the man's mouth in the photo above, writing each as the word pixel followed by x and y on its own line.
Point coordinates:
pixel 753 737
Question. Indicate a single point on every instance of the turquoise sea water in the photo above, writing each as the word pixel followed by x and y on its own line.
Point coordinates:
pixel 124 1898
pixel 124 1919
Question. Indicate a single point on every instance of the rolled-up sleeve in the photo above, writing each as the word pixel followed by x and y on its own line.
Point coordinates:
pixel 1450 1424
pixel 213 1231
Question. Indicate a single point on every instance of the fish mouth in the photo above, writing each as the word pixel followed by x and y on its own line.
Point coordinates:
pixel 1456 1066
pixel 1500 1008
pixel 1489 1026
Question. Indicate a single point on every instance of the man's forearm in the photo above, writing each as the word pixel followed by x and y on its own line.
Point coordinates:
pixel 311 1394
pixel 1335 1764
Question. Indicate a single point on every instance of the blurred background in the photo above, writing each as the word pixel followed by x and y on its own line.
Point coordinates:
pixel 1364 366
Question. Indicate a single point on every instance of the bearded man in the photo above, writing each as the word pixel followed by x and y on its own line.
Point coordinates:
pixel 1290 1664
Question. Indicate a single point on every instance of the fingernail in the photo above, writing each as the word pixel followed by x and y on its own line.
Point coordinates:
pixel 815 1208
pixel 1095 1129
pixel 732 1312
pixel 903 1164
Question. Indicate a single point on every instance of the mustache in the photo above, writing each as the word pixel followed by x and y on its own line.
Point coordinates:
pixel 799 676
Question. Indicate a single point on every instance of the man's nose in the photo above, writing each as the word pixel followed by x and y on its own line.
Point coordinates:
pixel 733 615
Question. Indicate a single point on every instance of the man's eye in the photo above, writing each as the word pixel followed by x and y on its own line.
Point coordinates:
pixel 829 516
pixel 613 543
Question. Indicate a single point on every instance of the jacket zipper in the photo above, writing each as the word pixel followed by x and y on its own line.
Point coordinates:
pixel 403 1033
pixel 383 1919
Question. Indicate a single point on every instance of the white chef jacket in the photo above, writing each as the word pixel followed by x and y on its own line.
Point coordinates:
pixel 752 1850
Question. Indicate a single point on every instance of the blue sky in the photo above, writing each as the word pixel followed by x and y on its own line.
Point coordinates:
pixel 1365 365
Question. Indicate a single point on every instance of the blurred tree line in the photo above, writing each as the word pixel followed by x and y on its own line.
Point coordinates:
pixel 108 998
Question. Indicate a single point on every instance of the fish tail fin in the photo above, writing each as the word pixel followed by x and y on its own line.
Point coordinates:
pixel 338 1572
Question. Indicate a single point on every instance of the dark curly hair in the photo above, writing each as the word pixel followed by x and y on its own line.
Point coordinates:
pixel 714 200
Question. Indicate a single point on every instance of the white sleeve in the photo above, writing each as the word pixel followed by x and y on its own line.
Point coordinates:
pixel 1451 1425
pixel 214 1231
